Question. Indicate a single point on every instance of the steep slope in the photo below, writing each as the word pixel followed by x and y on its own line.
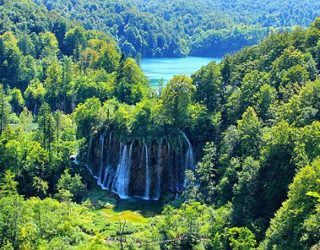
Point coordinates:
pixel 179 28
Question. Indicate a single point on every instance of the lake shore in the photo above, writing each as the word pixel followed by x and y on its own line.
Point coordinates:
pixel 163 69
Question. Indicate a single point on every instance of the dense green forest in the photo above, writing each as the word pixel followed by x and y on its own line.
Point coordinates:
pixel 180 28
pixel 253 121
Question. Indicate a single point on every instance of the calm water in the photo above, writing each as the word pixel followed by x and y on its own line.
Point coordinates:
pixel 157 69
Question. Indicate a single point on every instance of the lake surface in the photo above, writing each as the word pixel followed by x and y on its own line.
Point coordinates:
pixel 157 69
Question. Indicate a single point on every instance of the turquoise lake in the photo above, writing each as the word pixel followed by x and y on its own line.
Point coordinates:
pixel 157 69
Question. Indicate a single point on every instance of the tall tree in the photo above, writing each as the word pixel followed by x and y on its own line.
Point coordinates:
pixel 4 109
pixel 10 59
pixel 46 127
pixel 176 99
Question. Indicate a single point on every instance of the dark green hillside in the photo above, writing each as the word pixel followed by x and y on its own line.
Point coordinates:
pixel 180 28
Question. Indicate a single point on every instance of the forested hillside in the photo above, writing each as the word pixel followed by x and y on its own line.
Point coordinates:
pixel 180 28
pixel 231 154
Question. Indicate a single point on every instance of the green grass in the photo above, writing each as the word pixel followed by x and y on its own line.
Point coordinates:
pixel 110 209
pixel 100 198
pixel 146 208
pixel 111 215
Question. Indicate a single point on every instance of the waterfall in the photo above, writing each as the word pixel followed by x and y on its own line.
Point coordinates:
pixel 158 159
pixel 121 158
pixel 89 169
pixel 190 158
pixel 101 176
pixel 75 159
pixel 108 171
pixel 158 171
pixel 87 165
pixel 170 166
pixel 105 178
pixel 122 177
pixel 89 149
pixel 148 175
pixel 110 140
pixel 108 176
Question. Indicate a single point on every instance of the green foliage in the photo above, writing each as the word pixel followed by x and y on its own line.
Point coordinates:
pixel 184 227
pixel 307 147
pixel 145 120
pixel 40 186
pixel 42 224
pixel 249 128
pixel 131 84
pixel 74 42
pixel 176 99
pixel 34 95
pixel 277 169
pixel 252 120
pixel 245 191
pixel 87 116
pixel 8 185
pixel 179 28
pixel 70 187
pixel 10 59
pixel 16 100
pixel 102 55
pixel 302 108
pixel 241 239
pixel 46 126
pixel 287 228
pixel 208 84
pixel 248 95
pixel 5 110
pixel 191 190
pixel 48 45
pixel 206 170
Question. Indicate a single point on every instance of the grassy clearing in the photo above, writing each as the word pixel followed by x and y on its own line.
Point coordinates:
pixel 111 215
pixel 110 209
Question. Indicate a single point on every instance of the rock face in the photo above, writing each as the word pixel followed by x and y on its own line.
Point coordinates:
pixel 137 168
